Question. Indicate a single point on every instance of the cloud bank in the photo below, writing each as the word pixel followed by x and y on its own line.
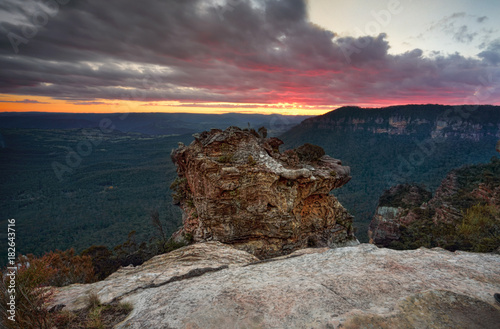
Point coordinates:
pixel 232 51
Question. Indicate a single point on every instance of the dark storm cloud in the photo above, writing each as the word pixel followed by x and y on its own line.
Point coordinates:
pixel 199 51
pixel 492 53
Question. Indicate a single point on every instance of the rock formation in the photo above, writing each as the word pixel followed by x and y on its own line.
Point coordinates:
pixel 405 205
pixel 211 285
pixel 235 186
pixel 394 210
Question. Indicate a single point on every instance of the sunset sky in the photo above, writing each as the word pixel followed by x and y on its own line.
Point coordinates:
pixel 255 56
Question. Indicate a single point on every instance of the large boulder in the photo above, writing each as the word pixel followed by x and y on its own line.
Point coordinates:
pixel 235 186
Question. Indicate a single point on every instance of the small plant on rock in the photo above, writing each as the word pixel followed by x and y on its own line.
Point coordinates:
pixel 309 152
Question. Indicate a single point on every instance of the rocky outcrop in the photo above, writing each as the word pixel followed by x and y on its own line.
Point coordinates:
pixel 210 285
pixel 235 186
pixel 394 210
pixel 405 205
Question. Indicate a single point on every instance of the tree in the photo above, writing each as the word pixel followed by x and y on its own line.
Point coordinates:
pixel 263 132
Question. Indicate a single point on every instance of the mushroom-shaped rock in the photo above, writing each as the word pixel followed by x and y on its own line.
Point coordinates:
pixel 236 187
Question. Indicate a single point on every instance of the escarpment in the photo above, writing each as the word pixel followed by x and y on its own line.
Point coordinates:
pixel 236 187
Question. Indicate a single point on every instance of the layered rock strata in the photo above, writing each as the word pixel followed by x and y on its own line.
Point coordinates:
pixel 236 187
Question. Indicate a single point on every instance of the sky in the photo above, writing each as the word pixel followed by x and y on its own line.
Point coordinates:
pixel 251 56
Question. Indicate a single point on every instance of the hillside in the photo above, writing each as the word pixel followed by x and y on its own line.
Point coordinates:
pixel 399 144
pixel 463 214
pixel 108 193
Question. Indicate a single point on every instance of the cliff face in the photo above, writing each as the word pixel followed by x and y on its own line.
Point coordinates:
pixel 468 199
pixel 462 122
pixel 235 186
pixel 210 285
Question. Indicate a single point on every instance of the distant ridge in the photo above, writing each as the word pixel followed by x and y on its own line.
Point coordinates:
pixel 149 123
pixel 414 110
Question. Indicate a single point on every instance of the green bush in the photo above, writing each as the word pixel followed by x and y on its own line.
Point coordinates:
pixel 309 152
pixel 480 228
pixel 225 158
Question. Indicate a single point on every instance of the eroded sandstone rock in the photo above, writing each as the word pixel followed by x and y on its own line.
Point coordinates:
pixel 349 287
pixel 177 265
pixel 236 187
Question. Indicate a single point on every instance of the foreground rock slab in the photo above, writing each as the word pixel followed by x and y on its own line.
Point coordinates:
pixel 349 287
pixel 180 264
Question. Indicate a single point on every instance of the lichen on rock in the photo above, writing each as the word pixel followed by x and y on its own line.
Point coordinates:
pixel 236 187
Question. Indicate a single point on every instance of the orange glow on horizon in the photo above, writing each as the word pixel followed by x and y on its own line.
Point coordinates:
pixel 17 103
pixel 23 103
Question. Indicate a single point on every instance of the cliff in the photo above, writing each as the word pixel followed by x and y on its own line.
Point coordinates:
pixel 211 285
pixel 398 144
pixel 235 186
pixel 465 122
pixel 463 213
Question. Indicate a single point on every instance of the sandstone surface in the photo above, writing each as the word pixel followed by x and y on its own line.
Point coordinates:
pixel 350 287
pixel 162 269
pixel 236 187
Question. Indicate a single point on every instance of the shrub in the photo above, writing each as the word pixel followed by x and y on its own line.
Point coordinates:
pixel 179 186
pixel 172 245
pixel 92 300
pixel 480 228
pixel 33 279
pixel 253 132
pixel 69 268
pixel 103 261
pixel 291 158
pixel 31 293
pixel 226 158
pixel 309 152
pixel 263 132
